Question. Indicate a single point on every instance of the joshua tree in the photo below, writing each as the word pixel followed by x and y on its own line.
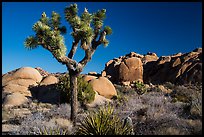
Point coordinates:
pixel 88 32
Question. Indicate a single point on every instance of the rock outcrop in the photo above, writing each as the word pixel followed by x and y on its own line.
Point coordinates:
pixel 14 99
pixel 89 77
pixel 35 83
pixel 49 80
pixel 124 69
pixel 15 84
pixel 103 87
pixel 42 72
pixel 179 68
pixel 98 101
pixel 131 69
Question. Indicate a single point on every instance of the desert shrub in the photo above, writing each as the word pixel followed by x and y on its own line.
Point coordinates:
pixel 103 122
pixel 31 124
pixel 124 89
pixel 182 94
pixel 86 94
pixel 159 115
pixel 169 85
pixel 196 104
pixel 191 95
pixel 37 122
pixel 154 113
pixel 154 88
pixel 140 88
pixel 121 99
pixel 62 111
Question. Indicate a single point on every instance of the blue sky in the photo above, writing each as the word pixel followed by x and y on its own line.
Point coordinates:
pixel 161 27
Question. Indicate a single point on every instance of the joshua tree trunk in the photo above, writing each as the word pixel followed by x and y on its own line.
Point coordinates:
pixel 74 103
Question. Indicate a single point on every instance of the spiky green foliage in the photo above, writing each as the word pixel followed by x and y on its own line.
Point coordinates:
pixel 98 18
pixel 88 25
pixel 31 42
pixel 105 42
pixel 44 19
pixel 71 15
pixel 108 30
pixel 86 94
pixel 140 88
pixel 85 28
pixel 103 122
pixel 55 20
pixel 52 131
pixel 86 17
pixel 48 32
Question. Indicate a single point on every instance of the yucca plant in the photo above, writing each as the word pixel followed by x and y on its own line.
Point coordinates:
pixel 103 122
pixel 53 131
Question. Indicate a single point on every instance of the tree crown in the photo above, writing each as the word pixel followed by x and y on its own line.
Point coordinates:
pixel 87 30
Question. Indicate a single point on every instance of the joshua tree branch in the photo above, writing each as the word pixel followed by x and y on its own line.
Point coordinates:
pixel 96 32
pixel 73 49
pixel 70 63
pixel 102 37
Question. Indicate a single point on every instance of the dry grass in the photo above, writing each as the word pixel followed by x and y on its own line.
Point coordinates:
pixel 156 113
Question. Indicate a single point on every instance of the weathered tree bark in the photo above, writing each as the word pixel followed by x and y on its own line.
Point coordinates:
pixel 74 102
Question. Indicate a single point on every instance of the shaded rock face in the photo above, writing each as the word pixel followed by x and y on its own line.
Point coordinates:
pixel 46 91
pixel 179 69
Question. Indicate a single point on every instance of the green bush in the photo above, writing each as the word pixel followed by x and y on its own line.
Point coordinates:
pixel 86 94
pixel 140 88
pixel 103 122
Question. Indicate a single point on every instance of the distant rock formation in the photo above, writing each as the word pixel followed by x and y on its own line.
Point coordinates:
pixel 178 68
pixel 128 68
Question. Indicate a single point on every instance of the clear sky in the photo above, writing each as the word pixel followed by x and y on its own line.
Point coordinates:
pixel 161 27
